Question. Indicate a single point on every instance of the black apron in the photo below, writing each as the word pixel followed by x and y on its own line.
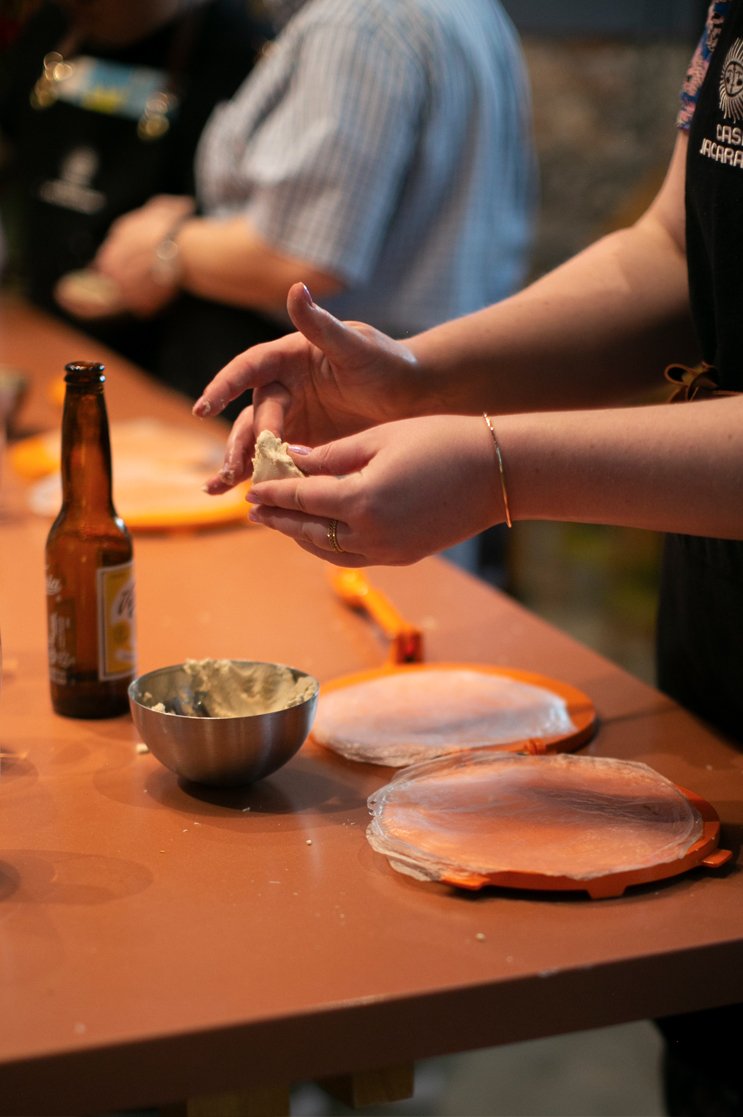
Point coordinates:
pixel 700 621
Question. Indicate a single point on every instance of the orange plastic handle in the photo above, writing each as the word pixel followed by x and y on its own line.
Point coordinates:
pixel 354 588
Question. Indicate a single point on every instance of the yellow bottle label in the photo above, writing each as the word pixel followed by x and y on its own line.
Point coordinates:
pixel 116 633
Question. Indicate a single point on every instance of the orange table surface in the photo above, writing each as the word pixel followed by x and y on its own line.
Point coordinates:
pixel 159 943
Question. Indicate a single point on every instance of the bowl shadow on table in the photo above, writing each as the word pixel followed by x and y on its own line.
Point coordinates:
pixel 301 787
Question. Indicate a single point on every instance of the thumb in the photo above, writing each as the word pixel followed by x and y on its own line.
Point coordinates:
pixel 339 342
pixel 334 459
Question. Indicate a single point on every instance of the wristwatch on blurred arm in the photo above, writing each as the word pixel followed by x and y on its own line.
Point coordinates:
pixel 167 267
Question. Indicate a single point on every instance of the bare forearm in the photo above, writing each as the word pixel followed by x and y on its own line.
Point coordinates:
pixel 227 261
pixel 597 330
pixel 665 467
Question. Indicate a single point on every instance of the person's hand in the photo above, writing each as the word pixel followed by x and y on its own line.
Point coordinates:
pixel 389 495
pixel 127 257
pixel 89 295
pixel 329 379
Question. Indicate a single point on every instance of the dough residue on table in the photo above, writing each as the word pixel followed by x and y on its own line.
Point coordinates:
pixel 271 461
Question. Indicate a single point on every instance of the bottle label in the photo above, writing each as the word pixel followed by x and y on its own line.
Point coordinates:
pixel 116 636
pixel 62 637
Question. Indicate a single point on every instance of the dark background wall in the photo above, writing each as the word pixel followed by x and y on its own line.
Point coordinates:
pixel 680 18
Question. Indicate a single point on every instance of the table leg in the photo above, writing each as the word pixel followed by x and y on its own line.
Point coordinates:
pixel 371 1087
pixel 271 1101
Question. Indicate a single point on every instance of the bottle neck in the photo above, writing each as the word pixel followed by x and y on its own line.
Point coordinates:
pixel 86 448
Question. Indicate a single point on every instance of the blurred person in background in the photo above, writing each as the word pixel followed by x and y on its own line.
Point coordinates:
pixel 101 107
pixel 381 150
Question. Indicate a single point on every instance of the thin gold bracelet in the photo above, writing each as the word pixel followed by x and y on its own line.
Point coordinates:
pixel 501 471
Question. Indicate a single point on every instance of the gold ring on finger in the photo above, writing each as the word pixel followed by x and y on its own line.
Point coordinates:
pixel 333 536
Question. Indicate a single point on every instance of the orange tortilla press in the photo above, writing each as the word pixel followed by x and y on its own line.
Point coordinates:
pixel 353 588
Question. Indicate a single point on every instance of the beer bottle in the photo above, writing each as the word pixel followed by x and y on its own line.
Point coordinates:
pixel 89 569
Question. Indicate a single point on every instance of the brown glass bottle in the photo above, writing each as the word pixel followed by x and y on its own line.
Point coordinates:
pixel 89 568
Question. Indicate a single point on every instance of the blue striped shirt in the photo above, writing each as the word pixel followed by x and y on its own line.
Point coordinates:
pixel 389 143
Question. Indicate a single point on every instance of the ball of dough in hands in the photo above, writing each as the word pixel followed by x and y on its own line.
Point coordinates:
pixel 271 461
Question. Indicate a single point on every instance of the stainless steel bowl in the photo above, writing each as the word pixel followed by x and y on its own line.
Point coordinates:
pixel 217 751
